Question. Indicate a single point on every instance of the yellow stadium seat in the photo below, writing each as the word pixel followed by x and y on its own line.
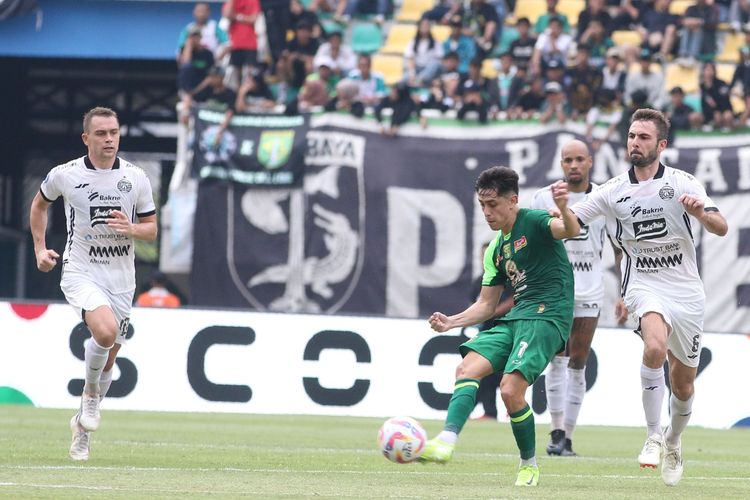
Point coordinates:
pixel 687 78
pixel 725 71
pixel 738 104
pixel 441 33
pixel 530 9
pixel 398 38
pixel 626 37
pixel 489 68
pixel 678 7
pixel 730 52
pixel 572 9
pixel 391 67
pixel 412 10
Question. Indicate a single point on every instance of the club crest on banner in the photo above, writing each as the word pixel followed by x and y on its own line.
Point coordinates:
pixel 275 147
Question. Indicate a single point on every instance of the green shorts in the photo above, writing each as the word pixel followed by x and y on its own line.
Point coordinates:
pixel 526 346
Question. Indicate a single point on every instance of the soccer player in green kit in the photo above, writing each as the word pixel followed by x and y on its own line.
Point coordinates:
pixel 529 252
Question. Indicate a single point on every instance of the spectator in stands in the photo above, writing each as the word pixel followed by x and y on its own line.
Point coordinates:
pixel 297 59
pixel 725 9
pixel 649 79
pixel 460 44
pixel 556 73
pixel 422 56
pixel 681 116
pixel 300 14
pixel 739 14
pixel 400 102
pixel 597 42
pixel 371 86
pixel 629 13
pixel 742 77
pixel 698 34
pixel 606 111
pixel 278 20
pixel 436 99
pixel 552 44
pixel 543 21
pixel 254 94
pixel 658 29
pixel 194 62
pixel 342 55
pixel 474 93
pixel 522 48
pixel 214 93
pixel 530 100
pixel 355 7
pixel 335 7
pixel 555 105
pixel 482 23
pixel 638 100
pixel 243 55
pixel 347 91
pixel 613 73
pixel 158 295
pixel 517 85
pixel 584 81
pixel 715 103
pixel 450 76
pixel 500 89
pixel 443 11
pixel 594 11
pixel 212 36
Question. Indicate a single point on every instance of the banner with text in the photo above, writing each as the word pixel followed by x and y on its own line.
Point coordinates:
pixel 390 226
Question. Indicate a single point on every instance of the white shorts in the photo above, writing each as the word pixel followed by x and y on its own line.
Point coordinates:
pixel 586 309
pixel 85 295
pixel 685 320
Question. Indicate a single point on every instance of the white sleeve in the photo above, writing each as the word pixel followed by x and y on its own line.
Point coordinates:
pixel 145 204
pixel 694 186
pixel 591 207
pixel 537 201
pixel 52 185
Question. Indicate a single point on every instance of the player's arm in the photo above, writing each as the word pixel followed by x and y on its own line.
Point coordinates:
pixel 710 217
pixel 145 229
pixel 480 311
pixel 567 225
pixel 46 258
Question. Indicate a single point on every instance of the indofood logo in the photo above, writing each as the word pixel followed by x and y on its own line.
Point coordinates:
pixel 99 214
pixel 650 229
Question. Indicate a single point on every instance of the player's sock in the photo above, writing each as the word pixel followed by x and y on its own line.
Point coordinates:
pixel 104 382
pixel 95 358
pixel 574 399
pixel 522 423
pixel 652 383
pixel 555 382
pixel 462 403
pixel 449 437
pixel 530 461
pixel 680 413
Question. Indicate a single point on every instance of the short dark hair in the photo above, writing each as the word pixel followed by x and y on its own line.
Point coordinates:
pixel 502 180
pixel 654 116
pixel 97 111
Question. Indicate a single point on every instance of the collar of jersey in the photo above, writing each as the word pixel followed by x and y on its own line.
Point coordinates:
pixel 634 180
pixel 91 166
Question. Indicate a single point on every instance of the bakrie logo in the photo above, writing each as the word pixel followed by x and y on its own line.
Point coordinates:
pixel 99 215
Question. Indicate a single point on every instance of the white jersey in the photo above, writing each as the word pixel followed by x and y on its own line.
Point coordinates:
pixel 94 249
pixel 653 230
pixel 584 251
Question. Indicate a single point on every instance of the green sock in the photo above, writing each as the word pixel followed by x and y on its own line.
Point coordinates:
pixel 522 423
pixel 462 403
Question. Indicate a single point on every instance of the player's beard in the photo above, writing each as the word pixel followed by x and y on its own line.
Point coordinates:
pixel 643 160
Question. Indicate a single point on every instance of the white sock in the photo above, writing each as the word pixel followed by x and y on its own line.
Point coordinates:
pixel 555 384
pixel 529 461
pixel 448 437
pixel 652 383
pixel 95 358
pixel 104 382
pixel 680 413
pixel 574 399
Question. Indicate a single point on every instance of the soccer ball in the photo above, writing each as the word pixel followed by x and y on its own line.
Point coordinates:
pixel 401 439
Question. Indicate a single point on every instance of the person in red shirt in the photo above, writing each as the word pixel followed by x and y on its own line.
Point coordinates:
pixel 158 295
pixel 243 40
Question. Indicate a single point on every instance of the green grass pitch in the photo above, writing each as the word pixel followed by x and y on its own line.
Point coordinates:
pixel 198 455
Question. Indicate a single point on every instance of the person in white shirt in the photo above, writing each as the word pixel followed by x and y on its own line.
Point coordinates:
pixel 108 205
pixel 650 210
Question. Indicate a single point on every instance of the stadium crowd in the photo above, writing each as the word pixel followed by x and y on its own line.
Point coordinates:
pixel 475 60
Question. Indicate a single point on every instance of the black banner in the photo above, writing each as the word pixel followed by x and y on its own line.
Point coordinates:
pixel 258 150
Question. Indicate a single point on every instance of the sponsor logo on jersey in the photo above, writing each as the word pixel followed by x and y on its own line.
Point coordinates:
pixel 99 214
pixel 124 185
pixel 519 243
pixel 623 199
pixel 108 197
pixel 541 308
pixel 81 186
pixel 498 260
pixel 506 251
pixel 582 266
pixel 637 210
pixel 92 196
pixel 666 193
pixel 673 260
pixel 650 229
pixel 109 251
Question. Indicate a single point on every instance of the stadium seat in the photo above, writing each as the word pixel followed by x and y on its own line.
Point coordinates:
pixel 572 9
pixel 398 38
pixel 441 33
pixel 489 68
pixel 687 78
pixel 412 10
pixel 366 38
pixel 391 67
pixel 506 38
pixel 725 71
pixel 738 104
pixel 678 7
pixel 531 9
pixel 730 51
pixel 626 37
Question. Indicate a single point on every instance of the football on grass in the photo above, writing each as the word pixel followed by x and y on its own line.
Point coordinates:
pixel 401 439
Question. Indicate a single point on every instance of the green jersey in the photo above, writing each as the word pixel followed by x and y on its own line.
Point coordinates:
pixel 536 265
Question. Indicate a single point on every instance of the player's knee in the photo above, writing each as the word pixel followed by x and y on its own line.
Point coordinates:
pixel 682 389
pixel 655 351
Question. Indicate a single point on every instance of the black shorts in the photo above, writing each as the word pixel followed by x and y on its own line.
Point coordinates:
pixel 243 57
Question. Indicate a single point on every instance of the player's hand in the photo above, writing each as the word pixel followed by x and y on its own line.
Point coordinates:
pixel 560 194
pixel 440 322
pixel 693 204
pixel 555 212
pixel 621 312
pixel 120 223
pixel 46 259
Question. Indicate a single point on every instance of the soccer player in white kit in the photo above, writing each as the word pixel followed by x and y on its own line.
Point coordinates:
pixel 648 210
pixel 108 204
pixel 565 382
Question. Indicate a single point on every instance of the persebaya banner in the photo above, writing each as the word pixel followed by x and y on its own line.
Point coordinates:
pixel 257 150
pixel 391 227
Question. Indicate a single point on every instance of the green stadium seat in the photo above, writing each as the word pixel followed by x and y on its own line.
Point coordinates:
pixel 366 38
